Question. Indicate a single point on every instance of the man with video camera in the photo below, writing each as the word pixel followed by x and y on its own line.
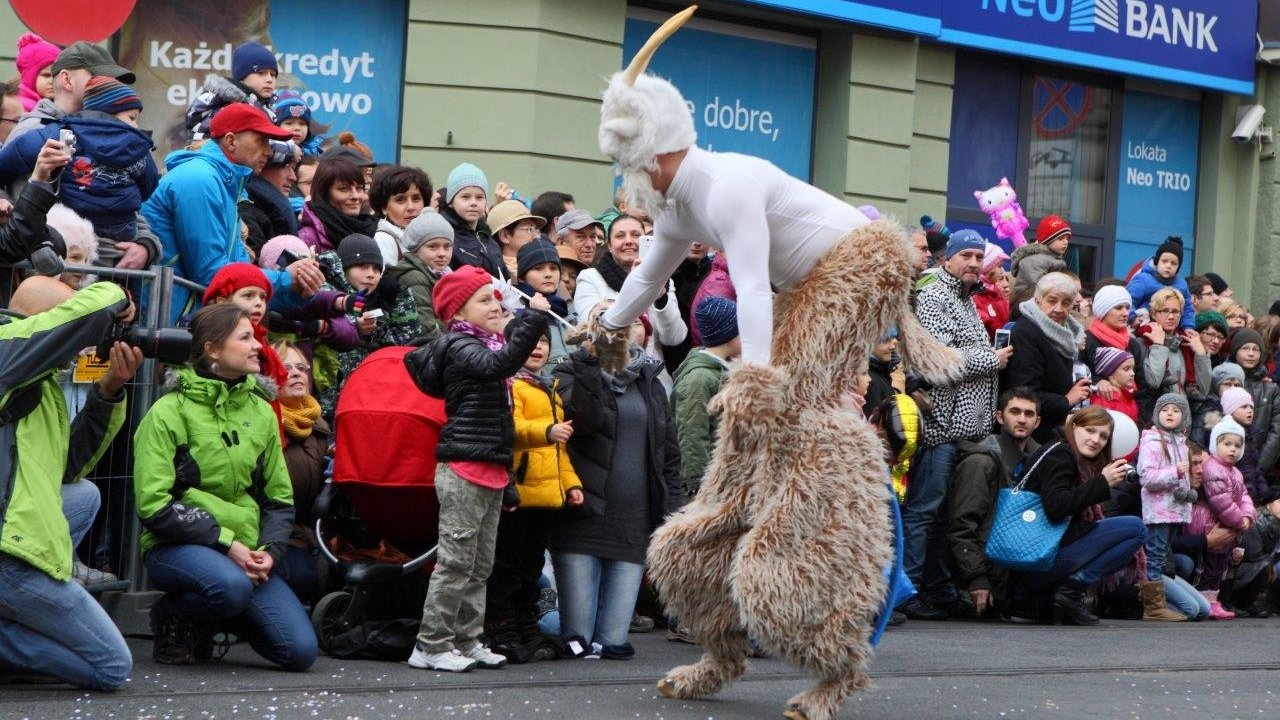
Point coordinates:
pixel 50 625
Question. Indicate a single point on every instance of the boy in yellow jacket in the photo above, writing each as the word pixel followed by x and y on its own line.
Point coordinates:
pixel 545 482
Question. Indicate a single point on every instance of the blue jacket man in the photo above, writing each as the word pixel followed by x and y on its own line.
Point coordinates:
pixel 193 211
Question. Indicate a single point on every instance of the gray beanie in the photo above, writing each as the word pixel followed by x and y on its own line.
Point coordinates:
pixel 356 249
pixel 1172 398
pixel 427 226
pixel 1224 371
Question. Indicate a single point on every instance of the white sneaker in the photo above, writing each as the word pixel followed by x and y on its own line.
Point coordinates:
pixel 594 652
pixel 484 658
pixel 447 661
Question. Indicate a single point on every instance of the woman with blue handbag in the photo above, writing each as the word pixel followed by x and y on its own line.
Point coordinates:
pixel 1072 479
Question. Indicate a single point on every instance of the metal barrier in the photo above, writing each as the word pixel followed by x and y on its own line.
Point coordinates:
pixel 113 543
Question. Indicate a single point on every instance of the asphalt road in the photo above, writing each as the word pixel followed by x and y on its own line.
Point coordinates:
pixel 924 670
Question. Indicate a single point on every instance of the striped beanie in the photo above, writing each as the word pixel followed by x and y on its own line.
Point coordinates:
pixel 108 95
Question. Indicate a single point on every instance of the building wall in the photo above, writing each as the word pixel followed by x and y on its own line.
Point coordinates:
pixel 1263 239
pixel 11 28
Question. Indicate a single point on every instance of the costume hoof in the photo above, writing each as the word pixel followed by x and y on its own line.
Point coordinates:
pixel 794 712
pixel 667 687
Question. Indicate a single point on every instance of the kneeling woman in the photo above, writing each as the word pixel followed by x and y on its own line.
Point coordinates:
pixel 1074 478
pixel 216 504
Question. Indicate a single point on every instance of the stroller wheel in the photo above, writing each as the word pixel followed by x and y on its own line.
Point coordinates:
pixel 329 618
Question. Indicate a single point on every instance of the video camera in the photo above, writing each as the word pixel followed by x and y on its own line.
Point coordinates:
pixel 171 346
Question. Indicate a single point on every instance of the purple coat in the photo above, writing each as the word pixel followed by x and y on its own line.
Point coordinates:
pixel 311 231
pixel 1224 489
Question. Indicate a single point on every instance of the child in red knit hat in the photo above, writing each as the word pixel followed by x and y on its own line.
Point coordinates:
pixel 248 288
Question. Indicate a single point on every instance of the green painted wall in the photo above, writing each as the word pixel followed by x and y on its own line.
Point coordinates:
pixel 518 85
pixel 11 28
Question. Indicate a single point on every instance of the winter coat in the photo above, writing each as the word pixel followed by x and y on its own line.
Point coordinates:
pixel 715 284
pixel 1173 367
pixel 687 279
pixel 542 470
pixel 1260 545
pixel 881 386
pixel 389 238
pixel 697 380
pixel 312 232
pixel 193 212
pixel 474 246
pixel 594 409
pixel 41 451
pixel 1266 417
pixel 306 461
pixel 208 468
pixel 109 176
pixel 1146 283
pixel 266 212
pixel 471 379
pixel 1158 474
pixel 993 308
pixel 397 326
pixel 414 275
pixel 1124 402
pixel 1032 262
pixel 1058 482
pixel 1036 363
pixel 982 469
pixel 27 227
pixel 1142 394
pixel 217 93
pixel 963 411
pixel 1224 492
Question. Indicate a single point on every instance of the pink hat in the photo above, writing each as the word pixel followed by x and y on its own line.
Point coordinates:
pixel 1234 399
pixel 269 256
pixel 34 54
pixel 992 256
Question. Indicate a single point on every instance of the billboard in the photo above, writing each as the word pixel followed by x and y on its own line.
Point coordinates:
pixel 351 73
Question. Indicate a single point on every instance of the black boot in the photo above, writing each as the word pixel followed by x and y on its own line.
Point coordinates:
pixel 541 647
pixel 1068 602
pixel 175 636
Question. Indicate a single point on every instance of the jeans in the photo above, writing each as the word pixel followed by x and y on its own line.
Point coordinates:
pixel 300 569
pixel 1180 596
pixel 597 597
pixel 1157 546
pixel 925 547
pixel 453 613
pixel 1107 547
pixel 56 628
pixel 204 584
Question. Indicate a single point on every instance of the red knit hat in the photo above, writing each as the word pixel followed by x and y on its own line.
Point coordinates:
pixel 1051 228
pixel 454 289
pixel 233 277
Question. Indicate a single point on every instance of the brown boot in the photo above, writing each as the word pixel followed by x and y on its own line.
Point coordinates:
pixel 1153 603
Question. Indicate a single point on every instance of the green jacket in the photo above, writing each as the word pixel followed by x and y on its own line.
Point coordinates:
pixel 208 468
pixel 418 278
pixel 697 379
pixel 42 450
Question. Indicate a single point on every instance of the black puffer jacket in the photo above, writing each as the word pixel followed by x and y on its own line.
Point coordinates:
pixel 594 412
pixel 474 247
pixel 472 380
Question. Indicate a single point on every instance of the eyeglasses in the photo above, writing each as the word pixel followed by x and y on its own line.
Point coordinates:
pixel 531 229
pixel 1168 311
pixel 1212 335
pixel 300 367
pixel 1207 293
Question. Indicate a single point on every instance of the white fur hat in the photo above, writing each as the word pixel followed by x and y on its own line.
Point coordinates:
pixel 644 115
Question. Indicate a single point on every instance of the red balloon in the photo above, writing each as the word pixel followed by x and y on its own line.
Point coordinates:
pixel 67 21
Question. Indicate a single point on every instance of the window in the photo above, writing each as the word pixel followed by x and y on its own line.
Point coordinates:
pixel 1069 150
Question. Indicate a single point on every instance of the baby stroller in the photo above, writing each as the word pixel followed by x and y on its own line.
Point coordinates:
pixel 379 504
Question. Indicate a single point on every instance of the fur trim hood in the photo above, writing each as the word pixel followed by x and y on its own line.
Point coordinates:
pixel 187 380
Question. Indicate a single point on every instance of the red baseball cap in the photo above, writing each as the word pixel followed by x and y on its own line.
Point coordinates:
pixel 240 117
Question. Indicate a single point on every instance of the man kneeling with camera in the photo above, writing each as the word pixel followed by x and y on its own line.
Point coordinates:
pixel 48 624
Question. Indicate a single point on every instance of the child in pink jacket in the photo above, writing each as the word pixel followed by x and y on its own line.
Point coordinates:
pixel 1163 471
pixel 1224 492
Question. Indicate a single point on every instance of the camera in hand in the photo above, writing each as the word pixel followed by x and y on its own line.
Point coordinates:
pixel 287 258
pixel 171 346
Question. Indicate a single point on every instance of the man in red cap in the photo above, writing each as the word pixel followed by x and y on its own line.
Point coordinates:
pixel 1034 261
pixel 193 211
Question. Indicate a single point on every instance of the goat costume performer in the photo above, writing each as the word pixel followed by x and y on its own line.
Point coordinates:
pixel 788 538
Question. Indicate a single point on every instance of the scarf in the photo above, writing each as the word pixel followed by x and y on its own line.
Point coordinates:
pixel 1109 336
pixel 337 226
pixel 300 417
pixel 267 197
pixel 271 366
pixel 1066 339
pixel 558 304
pixel 619 382
pixel 492 341
pixel 611 271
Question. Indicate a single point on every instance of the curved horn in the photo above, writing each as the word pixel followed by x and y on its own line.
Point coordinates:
pixel 659 36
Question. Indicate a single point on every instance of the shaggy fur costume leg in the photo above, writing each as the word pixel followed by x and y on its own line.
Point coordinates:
pixel 787 539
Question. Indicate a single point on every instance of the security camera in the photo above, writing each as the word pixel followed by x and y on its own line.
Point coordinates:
pixel 1248 120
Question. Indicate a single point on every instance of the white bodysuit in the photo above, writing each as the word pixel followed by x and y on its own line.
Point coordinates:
pixel 773 227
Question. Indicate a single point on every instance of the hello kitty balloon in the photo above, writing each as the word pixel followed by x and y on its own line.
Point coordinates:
pixel 1000 203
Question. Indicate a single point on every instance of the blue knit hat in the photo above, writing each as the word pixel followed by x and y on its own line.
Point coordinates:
pixel 250 58
pixel 290 106
pixel 965 239
pixel 535 253
pixel 717 320
pixel 465 175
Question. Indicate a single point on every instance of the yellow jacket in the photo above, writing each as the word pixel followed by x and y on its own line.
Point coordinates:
pixel 544 475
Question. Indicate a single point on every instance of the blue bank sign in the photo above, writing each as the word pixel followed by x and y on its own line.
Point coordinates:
pixel 1205 43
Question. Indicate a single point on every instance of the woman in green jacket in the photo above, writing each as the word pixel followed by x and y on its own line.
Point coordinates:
pixel 216 504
